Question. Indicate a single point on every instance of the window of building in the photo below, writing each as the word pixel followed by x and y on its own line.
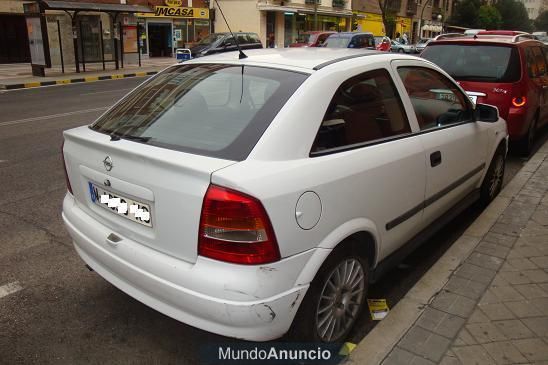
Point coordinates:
pixel 436 100
pixel 364 108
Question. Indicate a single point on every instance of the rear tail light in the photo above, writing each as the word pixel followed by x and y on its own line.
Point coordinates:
pixel 69 188
pixel 519 101
pixel 235 227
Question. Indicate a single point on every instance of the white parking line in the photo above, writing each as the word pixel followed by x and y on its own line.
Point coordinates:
pixel 10 289
pixel 53 116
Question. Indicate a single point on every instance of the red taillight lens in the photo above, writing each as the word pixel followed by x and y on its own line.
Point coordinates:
pixel 519 101
pixel 234 227
pixel 65 168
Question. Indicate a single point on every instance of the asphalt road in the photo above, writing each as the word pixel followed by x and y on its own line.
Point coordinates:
pixel 59 312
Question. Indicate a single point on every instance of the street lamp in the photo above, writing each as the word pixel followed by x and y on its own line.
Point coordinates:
pixel 440 17
pixel 422 14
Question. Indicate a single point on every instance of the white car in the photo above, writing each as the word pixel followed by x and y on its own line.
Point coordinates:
pixel 248 197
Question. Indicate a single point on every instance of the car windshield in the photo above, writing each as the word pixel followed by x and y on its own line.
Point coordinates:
pixel 210 39
pixel 481 63
pixel 337 42
pixel 306 38
pixel 214 110
pixel 423 41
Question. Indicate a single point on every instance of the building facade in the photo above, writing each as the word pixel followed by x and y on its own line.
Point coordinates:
pixel 415 18
pixel 101 35
pixel 278 22
pixel 534 7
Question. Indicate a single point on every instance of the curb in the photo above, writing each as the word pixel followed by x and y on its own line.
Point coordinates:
pixel 29 85
pixel 377 345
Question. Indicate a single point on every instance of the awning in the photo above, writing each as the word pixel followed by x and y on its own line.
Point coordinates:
pixel 106 8
pixel 305 10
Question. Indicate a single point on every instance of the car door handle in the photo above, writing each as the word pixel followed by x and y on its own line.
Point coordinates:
pixel 435 158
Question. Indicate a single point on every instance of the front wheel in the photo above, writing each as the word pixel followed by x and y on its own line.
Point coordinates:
pixel 492 183
pixel 334 300
pixel 401 50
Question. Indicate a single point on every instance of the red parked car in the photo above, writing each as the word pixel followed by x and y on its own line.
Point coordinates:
pixel 506 69
pixel 311 39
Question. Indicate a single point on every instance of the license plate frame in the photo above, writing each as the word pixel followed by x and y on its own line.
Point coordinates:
pixel 141 213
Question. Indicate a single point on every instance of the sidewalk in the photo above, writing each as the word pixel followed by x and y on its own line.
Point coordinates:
pixel 486 300
pixel 19 75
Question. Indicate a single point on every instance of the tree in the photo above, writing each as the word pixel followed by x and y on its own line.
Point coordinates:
pixel 489 17
pixel 466 14
pixel 514 15
pixel 541 22
pixel 389 8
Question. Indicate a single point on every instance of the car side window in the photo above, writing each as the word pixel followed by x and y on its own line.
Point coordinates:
pixel 322 38
pixel 436 100
pixel 539 61
pixel 364 108
pixel 532 66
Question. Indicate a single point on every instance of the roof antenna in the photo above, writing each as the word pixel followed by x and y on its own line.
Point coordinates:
pixel 242 55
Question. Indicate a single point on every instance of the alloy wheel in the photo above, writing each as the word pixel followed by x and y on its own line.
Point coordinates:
pixel 497 176
pixel 341 300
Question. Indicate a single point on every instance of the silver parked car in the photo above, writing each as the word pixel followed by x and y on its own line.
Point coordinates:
pixel 421 44
pixel 401 48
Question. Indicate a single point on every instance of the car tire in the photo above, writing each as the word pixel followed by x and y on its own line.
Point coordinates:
pixel 526 144
pixel 331 306
pixel 401 50
pixel 492 182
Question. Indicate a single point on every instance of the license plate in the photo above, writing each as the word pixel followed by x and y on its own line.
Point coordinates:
pixel 474 98
pixel 131 209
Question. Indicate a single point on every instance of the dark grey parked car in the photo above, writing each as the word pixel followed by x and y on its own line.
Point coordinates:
pixel 224 42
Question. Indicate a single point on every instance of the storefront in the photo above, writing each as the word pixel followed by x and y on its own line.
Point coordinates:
pixel 296 23
pixel 172 27
pixel 371 22
pixel 281 25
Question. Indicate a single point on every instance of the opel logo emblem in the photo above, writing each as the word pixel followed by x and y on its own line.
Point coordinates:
pixel 107 162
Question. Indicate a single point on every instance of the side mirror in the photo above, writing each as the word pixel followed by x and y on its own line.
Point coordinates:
pixel 486 113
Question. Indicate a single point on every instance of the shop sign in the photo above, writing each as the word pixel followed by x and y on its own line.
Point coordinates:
pixel 174 3
pixel 169 12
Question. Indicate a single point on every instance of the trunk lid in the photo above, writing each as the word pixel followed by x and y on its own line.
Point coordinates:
pixel 172 184
pixel 498 94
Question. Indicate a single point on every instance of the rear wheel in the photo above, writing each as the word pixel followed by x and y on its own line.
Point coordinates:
pixel 492 183
pixel 334 300
pixel 526 144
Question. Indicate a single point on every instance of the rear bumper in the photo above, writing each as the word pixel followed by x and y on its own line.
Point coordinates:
pixel 517 123
pixel 155 279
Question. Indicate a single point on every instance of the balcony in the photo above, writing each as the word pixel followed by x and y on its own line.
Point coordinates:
pixel 411 7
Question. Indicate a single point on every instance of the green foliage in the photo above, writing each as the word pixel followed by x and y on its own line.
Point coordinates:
pixel 514 15
pixel 541 22
pixel 466 14
pixel 489 17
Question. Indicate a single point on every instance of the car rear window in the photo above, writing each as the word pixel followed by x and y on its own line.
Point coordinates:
pixel 481 63
pixel 337 42
pixel 215 110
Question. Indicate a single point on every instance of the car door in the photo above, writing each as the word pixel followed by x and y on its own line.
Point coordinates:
pixel 454 144
pixel 372 165
pixel 541 57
